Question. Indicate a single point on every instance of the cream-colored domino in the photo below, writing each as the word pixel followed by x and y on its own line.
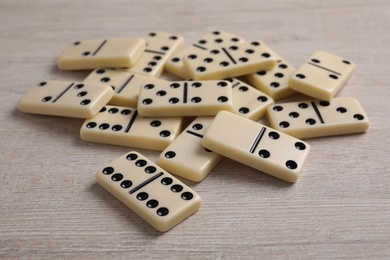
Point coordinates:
pixel 160 47
pixel 148 190
pixel 126 85
pixel 214 39
pixel 62 98
pixel 229 61
pixel 322 76
pixel 185 98
pixel 186 157
pixel 273 82
pixel 249 102
pixel 256 145
pixel 123 126
pixel 101 53
pixel 307 119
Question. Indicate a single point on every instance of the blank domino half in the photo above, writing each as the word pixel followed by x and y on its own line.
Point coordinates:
pixel 185 98
pixel 123 126
pixel 308 119
pixel 229 61
pixel 126 85
pixel 62 98
pixel 322 76
pixel 186 157
pixel 148 190
pixel 214 39
pixel 249 102
pixel 256 145
pixel 101 53
pixel 160 47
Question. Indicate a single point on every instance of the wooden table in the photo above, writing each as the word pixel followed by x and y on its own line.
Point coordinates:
pixel 51 206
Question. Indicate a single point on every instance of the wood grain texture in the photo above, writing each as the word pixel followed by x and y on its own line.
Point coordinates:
pixel 51 206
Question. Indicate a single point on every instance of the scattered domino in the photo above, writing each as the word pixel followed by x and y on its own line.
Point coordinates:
pixel 256 145
pixel 148 190
pixel 273 82
pixel 62 98
pixel 126 85
pixel 308 119
pixel 160 47
pixel 249 102
pixel 185 98
pixel 186 157
pixel 123 126
pixel 228 62
pixel 213 39
pixel 101 53
pixel 322 76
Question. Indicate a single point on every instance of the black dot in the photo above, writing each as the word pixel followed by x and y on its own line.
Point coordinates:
pixel 208 60
pixel 78 86
pixel 214 51
pixel 192 56
pixel 346 62
pixel 152 34
pixel 261 73
pixel 224 64
pixel 140 163
pixel 196 99
pixel 315 60
pixel 187 195
pixel 46 99
pixel 243 89
pixel 197 126
pixel 100 71
pixel 300 146
pixel 175 59
pixel 149 86
pixel 275 84
pixel 104 126
pixel 176 188
pixel 170 154
pixel 150 169
pixel 85 102
pixel 164 48
pixel 303 105
pixel 174 85
pixel 273 135
pixel 41 84
pixel 147 69
pixel 202 42
pixel 152 204
pixel 196 84
pixel 161 93
pixel 244 110
pixel 157 58
pixel 341 109
pixel 131 156
pixel 152 63
pixel 165 133
pixel 216 32
pixel 277 108
pixel 116 128
pixel 264 153
pixel 155 123
pixel 333 76
pixel 218 40
pixel 126 184
pixel 91 125
pixel 358 117
pixel 173 37
pixel 310 121
pixel 105 79
pixel 142 196
pixel 86 53
pixel 108 170
pixel 200 69
pixel 284 124
pixel 147 101
pixel 265 55
pixel 249 51
pixel 117 177
pixel 233 48
pixel 162 212
pixel 113 110
pixel 255 43
pixel 294 114
pixel 222 99
pixel 234 39
pixel 279 75
pixel 262 98
pixel 173 100
pixel 103 110
pixel 76 43
pixel 324 103
pixel 291 165
pixel 243 59
pixel 222 84
pixel 125 111
pixel 283 66
pixel 82 93
pixel 301 76
pixel 166 181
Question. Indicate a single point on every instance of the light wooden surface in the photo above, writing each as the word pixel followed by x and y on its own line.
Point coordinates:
pixel 51 206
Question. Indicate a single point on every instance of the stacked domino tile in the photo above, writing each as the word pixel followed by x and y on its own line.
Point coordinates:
pixel 228 85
